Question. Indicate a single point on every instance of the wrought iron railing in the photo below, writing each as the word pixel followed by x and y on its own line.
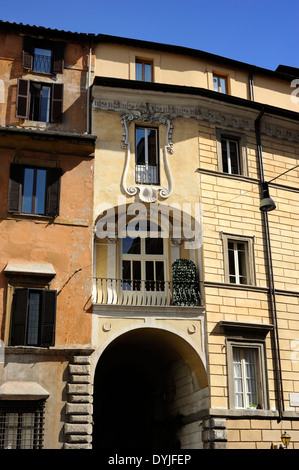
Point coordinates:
pixel 150 293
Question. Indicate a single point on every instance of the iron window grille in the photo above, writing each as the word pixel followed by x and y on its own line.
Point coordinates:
pixel 21 424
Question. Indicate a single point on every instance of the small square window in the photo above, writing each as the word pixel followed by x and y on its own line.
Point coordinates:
pixel 146 155
pixel 220 83
pixel 144 70
pixel 238 259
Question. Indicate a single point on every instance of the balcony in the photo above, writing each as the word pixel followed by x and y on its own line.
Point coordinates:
pixel 108 291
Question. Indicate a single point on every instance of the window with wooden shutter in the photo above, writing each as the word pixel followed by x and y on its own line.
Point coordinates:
pixel 33 317
pixel 34 190
pixel 58 58
pixel 27 56
pixel 19 317
pixel 53 191
pixel 43 56
pixel 23 93
pixel 16 179
pixel 48 318
pixel 57 102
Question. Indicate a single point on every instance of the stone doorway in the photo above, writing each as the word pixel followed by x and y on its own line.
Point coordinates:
pixel 143 389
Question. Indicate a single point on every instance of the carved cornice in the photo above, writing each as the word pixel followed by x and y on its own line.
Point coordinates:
pixel 158 112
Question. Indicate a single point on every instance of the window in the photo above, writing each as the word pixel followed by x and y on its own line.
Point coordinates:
pixel 43 56
pixel 33 317
pixel 230 156
pixel 144 70
pixel 143 262
pixel 39 101
pixel 34 190
pixel 21 424
pixel 220 83
pixel 146 153
pixel 246 364
pixel 238 259
pixel 232 152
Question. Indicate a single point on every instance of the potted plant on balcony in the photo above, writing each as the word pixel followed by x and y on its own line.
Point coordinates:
pixel 185 283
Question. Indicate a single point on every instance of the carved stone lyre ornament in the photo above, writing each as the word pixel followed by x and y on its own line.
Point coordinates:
pixel 146 113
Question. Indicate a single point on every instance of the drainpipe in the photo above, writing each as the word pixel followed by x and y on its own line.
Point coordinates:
pixel 272 296
pixel 88 130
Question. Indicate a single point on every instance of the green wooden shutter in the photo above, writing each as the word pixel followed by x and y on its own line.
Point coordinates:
pixel 56 102
pixel 53 191
pixel 27 56
pixel 23 92
pixel 16 179
pixel 48 318
pixel 19 317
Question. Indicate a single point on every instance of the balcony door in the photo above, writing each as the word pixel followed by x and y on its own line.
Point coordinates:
pixel 143 267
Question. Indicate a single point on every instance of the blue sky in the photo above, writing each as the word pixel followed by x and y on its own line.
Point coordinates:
pixel 258 32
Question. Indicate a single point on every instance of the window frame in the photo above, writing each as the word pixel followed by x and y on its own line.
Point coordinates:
pixel 24 100
pixel 138 166
pixel 249 260
pixel 221 76
pixel 143 63
pixel 16 186
pixel 143 257
pixel 241 140
pixel 261 374
pixel 57 55
pixel 19 408
pixel 19 316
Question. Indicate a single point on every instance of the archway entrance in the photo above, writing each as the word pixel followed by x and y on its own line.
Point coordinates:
pixel 140 388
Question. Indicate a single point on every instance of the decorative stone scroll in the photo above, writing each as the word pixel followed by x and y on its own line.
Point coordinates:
pixel 146 113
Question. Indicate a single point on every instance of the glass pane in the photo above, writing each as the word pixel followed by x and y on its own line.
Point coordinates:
pixel 138 71
pixel 234 157
pixel 149 275
pixel 126 275
pixel 160 276
pixel 154 246
pixel 33 318
pixel 222 82
pixel 136 275
pixel 250 368
pixel 28 190
pixel 231 263
pixel 239 402
pixel 215 83
pixel 224 155
pixel 152 146
pixel 148 72
pixel 42 60
pixel 140 145
pixel 131 245
pixel 40 191
pixel 45 104
pixel 242 263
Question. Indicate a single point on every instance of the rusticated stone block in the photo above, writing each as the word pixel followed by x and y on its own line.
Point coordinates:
pixel 79 369
pixel 79 408
pixel 79 389
pixel 81 360
pixel 77 445
pixel 71 428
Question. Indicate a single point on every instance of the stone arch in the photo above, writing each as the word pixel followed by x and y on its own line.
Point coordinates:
pixel 154 369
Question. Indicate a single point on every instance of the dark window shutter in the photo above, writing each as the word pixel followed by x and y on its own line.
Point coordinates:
pixel 53 191
pixel 57 102
pixel 48 318
pixel 16 179
pixel 19 317
pixel 27 57
pixel 22 106
pixel 58 57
